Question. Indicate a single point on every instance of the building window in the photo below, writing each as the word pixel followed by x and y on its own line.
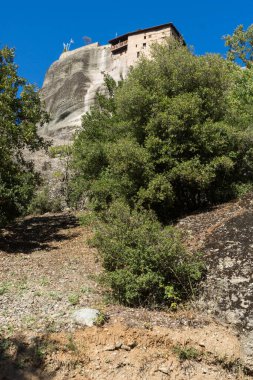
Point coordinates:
pixel 136 45
pixel 144 45
pixel 150 35
pixel 138 54
pixel 145 37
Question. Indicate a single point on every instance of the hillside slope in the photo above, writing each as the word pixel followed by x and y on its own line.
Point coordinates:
pixel 48 272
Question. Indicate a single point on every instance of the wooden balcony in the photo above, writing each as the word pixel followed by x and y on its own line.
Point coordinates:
pixel 119 46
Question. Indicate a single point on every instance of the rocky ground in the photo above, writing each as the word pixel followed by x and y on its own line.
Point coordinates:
pixel 48 271
pixel 226 239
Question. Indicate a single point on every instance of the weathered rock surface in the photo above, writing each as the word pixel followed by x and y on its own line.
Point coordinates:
pixel 71 84
pixel 224 235
pixel 86 316
pixel 228 290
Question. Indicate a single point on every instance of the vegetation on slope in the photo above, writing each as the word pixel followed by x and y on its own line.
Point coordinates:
pixel 168 138
pixel 20 114
pixel 173 137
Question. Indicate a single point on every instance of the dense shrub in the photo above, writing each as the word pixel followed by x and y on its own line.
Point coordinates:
pixel 42 202
pixel 168 137
pixel 176 135
pixel 145 263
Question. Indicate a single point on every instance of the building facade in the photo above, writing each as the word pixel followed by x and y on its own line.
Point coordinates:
pixel 131 45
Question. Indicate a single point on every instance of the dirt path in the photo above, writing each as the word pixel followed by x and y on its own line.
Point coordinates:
pixel 46 273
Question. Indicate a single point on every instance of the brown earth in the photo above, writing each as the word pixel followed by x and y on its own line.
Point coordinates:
pixel 47 272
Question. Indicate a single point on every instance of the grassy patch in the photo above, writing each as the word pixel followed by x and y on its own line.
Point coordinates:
pixel 86 290
pixel 22 285
pixel 74 299
pixel 87 219
pixel 186 352
pixel 4 288
pixel 100 320
pixel 44 281
pixel 55 296
pixel 71 345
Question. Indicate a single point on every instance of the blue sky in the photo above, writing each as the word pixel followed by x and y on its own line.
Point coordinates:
pixel 37 29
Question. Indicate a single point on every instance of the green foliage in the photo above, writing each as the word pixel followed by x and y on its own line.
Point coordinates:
pixel 240 45
pixel 175 136
pixel 187 353
pixel 74 299
pixel 42 203
pixel 19 117
pixel 4 287
pixel 71 345
pixel 170 137
pixel 241 100
pixel 145 263
pixel 59 151
pixel 87 219
pixel 100 320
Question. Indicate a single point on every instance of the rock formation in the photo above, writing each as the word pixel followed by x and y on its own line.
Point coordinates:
pixel 224 236
pixel 71 82
pixel 70 86
pixel 227 290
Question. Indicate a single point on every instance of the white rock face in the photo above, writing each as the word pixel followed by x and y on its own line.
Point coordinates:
pixel 71 84
pixel 86 316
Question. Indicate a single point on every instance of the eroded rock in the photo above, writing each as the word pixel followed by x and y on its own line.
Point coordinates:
pixel 71 84
pixel 86 316
pixel 228 289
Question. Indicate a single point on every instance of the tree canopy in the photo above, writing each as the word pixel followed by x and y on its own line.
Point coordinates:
pixel 20 114
pixel 240 45
pixel 174 136
pixel 169 137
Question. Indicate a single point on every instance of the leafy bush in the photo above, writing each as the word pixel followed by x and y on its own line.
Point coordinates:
pixel 145 263
pixel 42 203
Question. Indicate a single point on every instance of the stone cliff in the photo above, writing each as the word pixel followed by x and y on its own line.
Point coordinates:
pixel 71 82
pixel 70 86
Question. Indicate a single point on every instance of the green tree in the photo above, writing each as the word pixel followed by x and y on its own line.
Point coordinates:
pixel 174 136
pixel 166 139
pixel 240 45
pixel 20 114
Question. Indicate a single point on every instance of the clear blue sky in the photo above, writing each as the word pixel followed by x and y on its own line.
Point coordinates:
pixel 37 29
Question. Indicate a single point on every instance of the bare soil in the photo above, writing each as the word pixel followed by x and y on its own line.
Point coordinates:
pixel 48 271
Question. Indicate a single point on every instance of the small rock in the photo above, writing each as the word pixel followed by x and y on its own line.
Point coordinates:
pixel 132 344
pixel 125 347
pixel 86 316
pixel 111 347
pixel 165 370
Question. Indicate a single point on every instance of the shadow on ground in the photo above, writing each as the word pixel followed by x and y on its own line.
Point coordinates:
pixel 22 360
pixel 37 233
